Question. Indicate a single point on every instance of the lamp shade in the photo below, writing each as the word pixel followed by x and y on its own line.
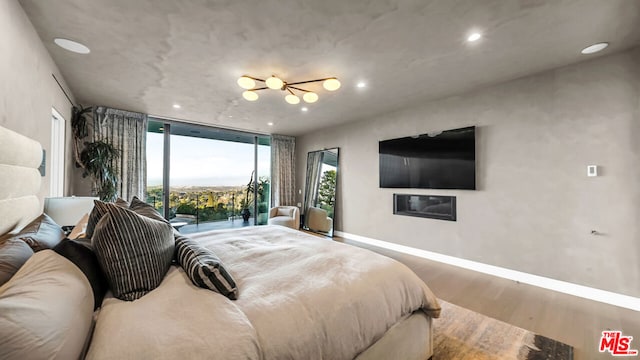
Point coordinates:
pixel 274 83
pixel 66 211
pixel 331 84
pixel 310 97
pixel 292 99
pixel 246 82
pixel 250 95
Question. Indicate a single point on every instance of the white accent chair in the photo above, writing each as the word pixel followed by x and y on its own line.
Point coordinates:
pixel 318 220
pixel 288 216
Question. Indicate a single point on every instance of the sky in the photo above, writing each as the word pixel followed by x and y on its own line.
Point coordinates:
pixel 204 162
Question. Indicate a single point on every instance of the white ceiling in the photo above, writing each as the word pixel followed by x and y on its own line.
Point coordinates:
pixel 147 55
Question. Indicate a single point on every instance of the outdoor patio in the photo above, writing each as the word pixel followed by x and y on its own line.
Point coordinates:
pixel 214 225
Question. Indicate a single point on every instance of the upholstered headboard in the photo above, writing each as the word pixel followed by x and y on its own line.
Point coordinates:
pixel 20 180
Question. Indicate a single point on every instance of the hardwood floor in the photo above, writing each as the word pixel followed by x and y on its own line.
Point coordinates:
pixel 572 320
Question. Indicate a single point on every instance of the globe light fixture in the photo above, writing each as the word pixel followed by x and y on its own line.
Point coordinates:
pixel 249 83
pixel 246 82
pixel 331 84
pixel 274 83
pixel 292 99
pixel 250 95
pixel 310 97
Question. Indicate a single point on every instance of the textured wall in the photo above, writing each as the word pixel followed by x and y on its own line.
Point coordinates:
pixel 28 91
pixel 535 207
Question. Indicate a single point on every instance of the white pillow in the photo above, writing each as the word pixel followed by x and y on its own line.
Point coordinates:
pixel 45 310
pixel 285 212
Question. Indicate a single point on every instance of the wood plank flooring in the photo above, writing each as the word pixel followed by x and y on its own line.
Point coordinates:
pixel 572 320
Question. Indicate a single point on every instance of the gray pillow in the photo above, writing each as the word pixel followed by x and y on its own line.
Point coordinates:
pixel 204 268
pixel 134 251
pixel 13 254
pixel 45 310
pixel 42 233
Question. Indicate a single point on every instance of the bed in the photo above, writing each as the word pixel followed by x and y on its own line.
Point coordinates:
pixel 299 296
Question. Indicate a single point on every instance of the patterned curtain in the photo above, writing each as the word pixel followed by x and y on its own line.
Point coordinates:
pixel 127 132
pixel 283 181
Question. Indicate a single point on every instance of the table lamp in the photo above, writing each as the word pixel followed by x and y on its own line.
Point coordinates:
pixel 67 211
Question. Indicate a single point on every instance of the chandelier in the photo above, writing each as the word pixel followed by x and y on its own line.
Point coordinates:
pixel 291 89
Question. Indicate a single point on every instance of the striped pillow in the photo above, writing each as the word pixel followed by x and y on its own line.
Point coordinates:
pixel 204 268
pixel 122 202
pixel 145 209
pixel 99 209
pixel 134 251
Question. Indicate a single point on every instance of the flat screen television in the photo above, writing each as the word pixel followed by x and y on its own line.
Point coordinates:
pixel 445 160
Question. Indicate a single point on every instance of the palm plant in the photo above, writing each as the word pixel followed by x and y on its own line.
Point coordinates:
pixel 95 158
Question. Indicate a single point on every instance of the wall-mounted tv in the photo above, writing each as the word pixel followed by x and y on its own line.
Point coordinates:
pixel 443 160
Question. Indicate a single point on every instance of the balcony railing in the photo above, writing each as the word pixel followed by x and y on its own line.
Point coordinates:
pixel 206 206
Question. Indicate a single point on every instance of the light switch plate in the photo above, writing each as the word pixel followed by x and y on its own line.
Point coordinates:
pixel 592 170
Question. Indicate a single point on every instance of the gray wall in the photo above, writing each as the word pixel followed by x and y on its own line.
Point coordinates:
pixel 535 207
pixel 28 91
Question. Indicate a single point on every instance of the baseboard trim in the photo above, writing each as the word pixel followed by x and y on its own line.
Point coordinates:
pixel 603 296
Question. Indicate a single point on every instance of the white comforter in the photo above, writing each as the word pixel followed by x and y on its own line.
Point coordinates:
pixel 300 297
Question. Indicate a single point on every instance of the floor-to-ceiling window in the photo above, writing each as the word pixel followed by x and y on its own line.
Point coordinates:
pixel 205 178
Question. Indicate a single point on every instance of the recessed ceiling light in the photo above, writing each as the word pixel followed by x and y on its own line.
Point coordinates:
pixel 270 123
pixel 361 84
pixel 305 109
pixel 176 106
pixel 595 48
pixel 474 37
pixel 72 46
pixel 230 116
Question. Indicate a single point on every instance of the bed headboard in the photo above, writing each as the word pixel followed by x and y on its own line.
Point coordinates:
pixel 20 180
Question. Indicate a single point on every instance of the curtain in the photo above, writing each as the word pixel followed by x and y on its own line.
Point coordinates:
pixel 283 182
pixel 314 165
pixel 127 132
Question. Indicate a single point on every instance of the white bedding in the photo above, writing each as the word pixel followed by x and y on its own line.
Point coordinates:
pixel 300 297
pixel 175 321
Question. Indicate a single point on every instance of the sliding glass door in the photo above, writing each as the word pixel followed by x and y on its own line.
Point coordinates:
pixel 155 166
pixel 209 178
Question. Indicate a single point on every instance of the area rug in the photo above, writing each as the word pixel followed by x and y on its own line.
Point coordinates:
pixel 461 334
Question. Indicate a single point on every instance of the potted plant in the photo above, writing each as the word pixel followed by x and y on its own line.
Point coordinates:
pixel 263 213
pixel 246 213
pixel 95 158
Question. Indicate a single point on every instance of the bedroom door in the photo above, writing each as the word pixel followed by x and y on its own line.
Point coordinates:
pixel 56 168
